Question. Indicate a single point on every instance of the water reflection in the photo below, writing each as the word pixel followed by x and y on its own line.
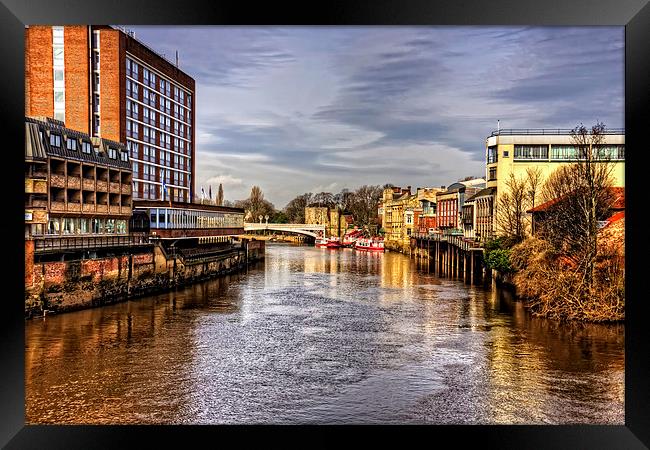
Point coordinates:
pixel 322 336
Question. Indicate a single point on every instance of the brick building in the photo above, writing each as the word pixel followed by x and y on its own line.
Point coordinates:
pixel 75 184
pixel 451 201
pixel 101 81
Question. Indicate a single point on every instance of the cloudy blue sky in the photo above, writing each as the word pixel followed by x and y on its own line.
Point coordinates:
pixel 307 109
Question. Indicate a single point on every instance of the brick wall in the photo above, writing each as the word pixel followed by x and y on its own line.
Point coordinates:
pixel 77 78
pixel 39 75
pixel 112 94
pixel 29 262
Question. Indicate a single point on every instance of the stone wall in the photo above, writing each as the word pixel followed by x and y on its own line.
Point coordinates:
pixel 60 286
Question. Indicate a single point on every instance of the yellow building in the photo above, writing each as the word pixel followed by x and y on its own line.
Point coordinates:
pixel 334 220
pixel 515 151
pixel 397 211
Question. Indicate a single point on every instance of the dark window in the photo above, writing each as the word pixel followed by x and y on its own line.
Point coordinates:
pixel 493 173
pixel 492 154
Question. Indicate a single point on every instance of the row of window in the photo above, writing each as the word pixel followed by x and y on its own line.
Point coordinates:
pixel 562 152
pixel 75 225
pixel 86 147
pixel 149 79
pixel 58 65
pixel 151 191
pixel 181 218
pixel 164 140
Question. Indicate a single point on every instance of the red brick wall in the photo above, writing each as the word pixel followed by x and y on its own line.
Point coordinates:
pixel 29 262
pixel 39 75
pixel 102 268
pixel 112 94
pixel 77 78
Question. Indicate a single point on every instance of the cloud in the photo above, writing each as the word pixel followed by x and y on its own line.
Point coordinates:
pixel 293 109
pixel 226 180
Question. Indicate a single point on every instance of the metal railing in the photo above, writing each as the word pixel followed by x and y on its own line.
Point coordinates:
pixel 546 131
pixel 56 243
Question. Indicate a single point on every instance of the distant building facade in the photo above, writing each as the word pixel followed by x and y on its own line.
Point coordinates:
pixel 450 204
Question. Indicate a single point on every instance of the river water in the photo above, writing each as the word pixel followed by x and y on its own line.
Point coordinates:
pixel 322 336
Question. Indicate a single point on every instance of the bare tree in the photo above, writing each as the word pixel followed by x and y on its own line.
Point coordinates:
pixel 295 209
pixel 511 206
pixel 256 205
pixel 364 204
pixel 581 196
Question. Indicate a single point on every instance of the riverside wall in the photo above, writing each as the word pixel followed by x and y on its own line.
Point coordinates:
pixel 61 286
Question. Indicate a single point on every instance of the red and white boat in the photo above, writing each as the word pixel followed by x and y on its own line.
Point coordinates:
pixel 332 242
pixel 351 238
pixel 373 245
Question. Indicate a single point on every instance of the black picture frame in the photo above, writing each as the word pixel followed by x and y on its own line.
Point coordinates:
pixel 633 14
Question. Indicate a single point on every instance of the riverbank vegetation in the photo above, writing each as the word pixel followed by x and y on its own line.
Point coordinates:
pixel 572 266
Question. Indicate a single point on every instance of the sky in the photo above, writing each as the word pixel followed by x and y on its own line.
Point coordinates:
pixel 311 109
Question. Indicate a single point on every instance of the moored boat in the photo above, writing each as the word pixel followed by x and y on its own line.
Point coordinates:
pixel 328 242
pixel 374 245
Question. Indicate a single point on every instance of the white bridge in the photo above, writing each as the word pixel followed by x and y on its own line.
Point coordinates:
pixel 312 230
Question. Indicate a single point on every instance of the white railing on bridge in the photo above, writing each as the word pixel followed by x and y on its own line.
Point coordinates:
pixel 312 230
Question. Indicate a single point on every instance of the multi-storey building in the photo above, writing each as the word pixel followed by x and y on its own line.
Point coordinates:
pixel 75 184
pixel 398 216
pixel 484 214
pixel 425 215
pixel 514 151
pixel 336 223
pixel 103 82
pixel 451 201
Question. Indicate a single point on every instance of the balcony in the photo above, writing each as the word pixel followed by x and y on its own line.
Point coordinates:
pixel 36 203
pixel 115 188
pixel 126 189
pixel 74 207
pixel 89 207
pixel 114 209
pixel 88 184
pixel 57 207
pixel 125 210
pixel 33 186
pixel 58 243
pixel 102 186
pixel 74 182
pixel 102 209
pixel 57 180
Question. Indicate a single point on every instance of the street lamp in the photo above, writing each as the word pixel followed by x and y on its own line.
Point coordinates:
pixel 267 219
pixel 260 217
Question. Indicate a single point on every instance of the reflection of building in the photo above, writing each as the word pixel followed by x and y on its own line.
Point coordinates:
pixel 514 151
pixel 103 82
pixel 74 184
pixel 451 201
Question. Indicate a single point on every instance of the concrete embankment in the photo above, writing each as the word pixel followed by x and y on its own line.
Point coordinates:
pixel 61 286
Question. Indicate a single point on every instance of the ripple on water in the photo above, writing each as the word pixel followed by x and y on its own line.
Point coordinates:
pixel 321 337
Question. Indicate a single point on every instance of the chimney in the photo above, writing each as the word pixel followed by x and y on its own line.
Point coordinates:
pixel 408 188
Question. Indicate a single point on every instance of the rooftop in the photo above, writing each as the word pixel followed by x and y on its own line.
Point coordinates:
pixel 545 131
